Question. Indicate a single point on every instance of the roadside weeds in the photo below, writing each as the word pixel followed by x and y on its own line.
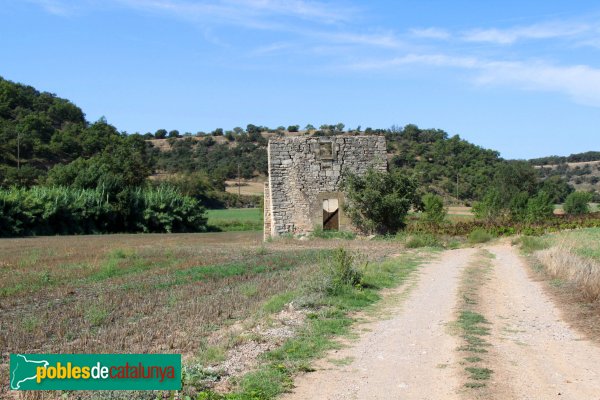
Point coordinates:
pixel 472 326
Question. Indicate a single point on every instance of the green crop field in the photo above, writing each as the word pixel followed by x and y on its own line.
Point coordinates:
pixel 236 219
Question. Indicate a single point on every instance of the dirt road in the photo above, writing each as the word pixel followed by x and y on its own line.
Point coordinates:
pixel 537 355
pixel 413 354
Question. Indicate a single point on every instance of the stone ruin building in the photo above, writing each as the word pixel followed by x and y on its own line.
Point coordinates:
pixel 305 174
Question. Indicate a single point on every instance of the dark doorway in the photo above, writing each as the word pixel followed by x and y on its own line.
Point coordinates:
pixel 331 215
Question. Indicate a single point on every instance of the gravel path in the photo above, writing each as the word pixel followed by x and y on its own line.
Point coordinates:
pixel 537 355
pixel 410 355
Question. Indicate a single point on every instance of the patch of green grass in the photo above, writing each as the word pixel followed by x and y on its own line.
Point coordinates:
pixel 557 282
pixel 474 326
pixel 479 374
pixel 475 385
pixel 479 236
pixel 236 219
pixel 278 301
pixel 96 315
pixel 422 240
pixel 453 244
pixel 120 262
pixel 530 244
pixel 388 273
pixel 210 355
pixel 30 258
pixel 30 323
pixel 249 289
pixel 266 383
pixel 471 322
pixel 341 362
pixel 251 265
pixel 319 233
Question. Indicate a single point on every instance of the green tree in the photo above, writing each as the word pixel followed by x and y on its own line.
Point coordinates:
pixel 519 206
pixel 379 201
pixel 577 203
pixel 539 207
pixel 515 177
pixel 558 188
pixel 434 211
pixel 491 207
pixel 160 134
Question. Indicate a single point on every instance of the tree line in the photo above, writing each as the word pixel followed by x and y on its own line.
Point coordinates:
pixel 48 148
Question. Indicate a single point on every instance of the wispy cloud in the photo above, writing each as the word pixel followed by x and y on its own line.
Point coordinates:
pixel 61 8
pixel 388 40
pixel 435 60
pixel 580 82
pixel 326 28
pixel 271 48
pixel 430 33
pixel 253 13
pixel 538 31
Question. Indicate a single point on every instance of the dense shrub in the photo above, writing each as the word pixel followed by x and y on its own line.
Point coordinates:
pixel 60 210
pixel 379 201
pixel 577 203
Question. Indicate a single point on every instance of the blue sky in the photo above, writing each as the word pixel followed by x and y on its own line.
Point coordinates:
pixel 521 77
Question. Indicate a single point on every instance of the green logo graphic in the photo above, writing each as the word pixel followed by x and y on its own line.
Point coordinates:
pixel 95 371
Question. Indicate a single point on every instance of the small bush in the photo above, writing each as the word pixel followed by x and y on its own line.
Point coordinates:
pixel 479 236
pixel 422 240
pixel 577 203
pixel 339 272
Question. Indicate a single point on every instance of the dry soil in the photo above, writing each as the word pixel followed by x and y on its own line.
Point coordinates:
pixel 413 353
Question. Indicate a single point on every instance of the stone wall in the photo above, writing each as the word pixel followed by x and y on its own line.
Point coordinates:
pixel 267 212
pixel 304 171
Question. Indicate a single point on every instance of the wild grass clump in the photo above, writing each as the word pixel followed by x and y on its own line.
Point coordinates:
pixel 422 240
pixel 531 244
pixel 479 236
pixel 340 272
pixel 562 264
pixel 320 233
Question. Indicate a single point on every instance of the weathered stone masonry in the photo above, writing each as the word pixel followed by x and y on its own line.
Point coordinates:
pixel 306 171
